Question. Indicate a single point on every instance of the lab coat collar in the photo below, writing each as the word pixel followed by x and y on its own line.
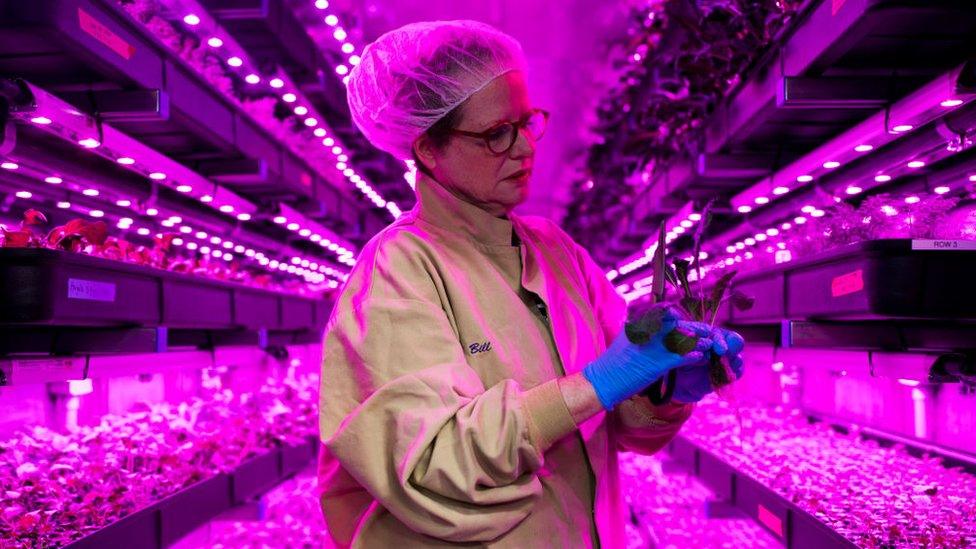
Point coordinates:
pixel 437 206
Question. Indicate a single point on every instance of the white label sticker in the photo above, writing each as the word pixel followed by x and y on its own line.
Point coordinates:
pixel 944 244
pixel 90 290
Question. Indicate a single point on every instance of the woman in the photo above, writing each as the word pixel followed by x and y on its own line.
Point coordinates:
pixel 468 392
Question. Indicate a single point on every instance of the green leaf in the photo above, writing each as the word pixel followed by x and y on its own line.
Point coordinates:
pixel 721 285
pixel 719 372
pixel 679 342
pixel 681 271
pixel 643 324
pixel 741 301
pixel 692 307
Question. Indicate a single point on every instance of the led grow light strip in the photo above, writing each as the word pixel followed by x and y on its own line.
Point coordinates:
pixel 196 19
pixel 921 107
pixel 676 225
pixel 58 118
pixel 292 220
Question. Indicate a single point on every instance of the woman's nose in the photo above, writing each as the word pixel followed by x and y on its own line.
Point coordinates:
pixel 524 144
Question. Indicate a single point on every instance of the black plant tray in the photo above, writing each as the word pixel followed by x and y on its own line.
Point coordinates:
pixel 163 523
pixel 794 527
pixel 66 289
pixel 255 475
pixel 874 280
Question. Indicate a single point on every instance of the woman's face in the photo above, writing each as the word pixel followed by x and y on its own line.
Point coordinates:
pixel 467 168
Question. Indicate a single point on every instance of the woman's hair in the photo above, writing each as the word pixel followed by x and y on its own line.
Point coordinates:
pixel 439 134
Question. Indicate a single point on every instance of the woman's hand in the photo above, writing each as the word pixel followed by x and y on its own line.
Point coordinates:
pixel 627 368
pixel 693 380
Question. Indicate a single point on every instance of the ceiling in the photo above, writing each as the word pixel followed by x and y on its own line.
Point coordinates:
pixel 565 43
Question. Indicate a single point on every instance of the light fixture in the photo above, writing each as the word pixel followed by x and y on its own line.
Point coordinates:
pixel 252 78
pixel 342 70
pixel 235 61
pixel 90 143
pixel 216 239
pixel 301 111
pixel 304 232
pixel 730 249
pixel 54 180
pixel 279 219
pixel 949 103
pixel 745 209
pixel 201 235
pixel 319 132
pixel 915 164
pixel 808 208
pixel 902 128
pixel 805 178
pixel 289 98
pixel 206 199
pixel 331 20
pixel 23 194
pixel 64 205
pixel 695 217
pixel 781 190
pixel 152 212
pixel 817 213
pixel 215 42
pixel 311 122
pixel 348 48
pixel 125 161
pixel 750 241
pixel 184 188
pixel 942 189
pixel 42 120
pixel 912 199
pixel 292 226
pixel 337 150
pixel 760 237
pixel 244 216
pixel 226 208
pixel 354 60
pixel 157 176
pixel 853 189
pixel 831 164
pixel 322 4
pixel 143 231
pixel 339 35
pixel 772 231
pixel 799 220
pixel 686 224
pixel 882 178
pixel 863 148
pixel 123 203
pixel 191 19
pixel 328 142
pixel 90 192
pixel 762 200
pixel 276 83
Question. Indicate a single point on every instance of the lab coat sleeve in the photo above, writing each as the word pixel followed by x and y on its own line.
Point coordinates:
pixel 407 417
pixel 639 426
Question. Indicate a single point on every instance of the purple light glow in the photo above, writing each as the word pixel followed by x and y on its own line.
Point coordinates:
pixel 90 192
pixel 882 178
pixel 42 120
pixel 804 178
pixel 90 143
pixel 902 128
pixel 215 42
pixel 915 164
pixel 276 83
pixel 226 208
pixel 235 61
pixel 289 98
pixel 244 216
pixel 125 161
pixel 781 190
pixel 191 19
pixel 53 180
pixel 64 205
pixel 23 194
pixel 301 111
pixel 949 103
pixel 863 148
pixel 331 20
pixel 941 189
pixel 831 164
pixel 912 199
pixel 123 203
pixel 184 188
pixel 744 209
pixel 853 189
pixel 9 165
pixel 762 200
pixel 157 176
pixel 252 79
pixel 279 219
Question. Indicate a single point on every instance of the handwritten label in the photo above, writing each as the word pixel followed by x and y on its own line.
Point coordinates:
pixel 103 34
pixel 944 244
pixel 847 284
pixel 476 348
pixel 89 290
pixel 770 520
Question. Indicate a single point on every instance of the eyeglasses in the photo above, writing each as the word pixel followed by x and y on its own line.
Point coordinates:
pixel 501 138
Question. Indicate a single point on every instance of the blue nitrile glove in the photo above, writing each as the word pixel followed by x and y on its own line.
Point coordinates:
pixel 693 382
pixel 625 368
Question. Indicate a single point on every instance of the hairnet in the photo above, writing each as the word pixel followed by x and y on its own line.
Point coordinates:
pixel 411 77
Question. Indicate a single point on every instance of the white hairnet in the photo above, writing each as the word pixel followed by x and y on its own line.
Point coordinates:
pixel 411 77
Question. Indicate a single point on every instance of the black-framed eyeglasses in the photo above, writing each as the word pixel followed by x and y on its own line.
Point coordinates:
pixel 501 138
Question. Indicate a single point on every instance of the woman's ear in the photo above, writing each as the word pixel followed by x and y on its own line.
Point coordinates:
pixel 423 151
